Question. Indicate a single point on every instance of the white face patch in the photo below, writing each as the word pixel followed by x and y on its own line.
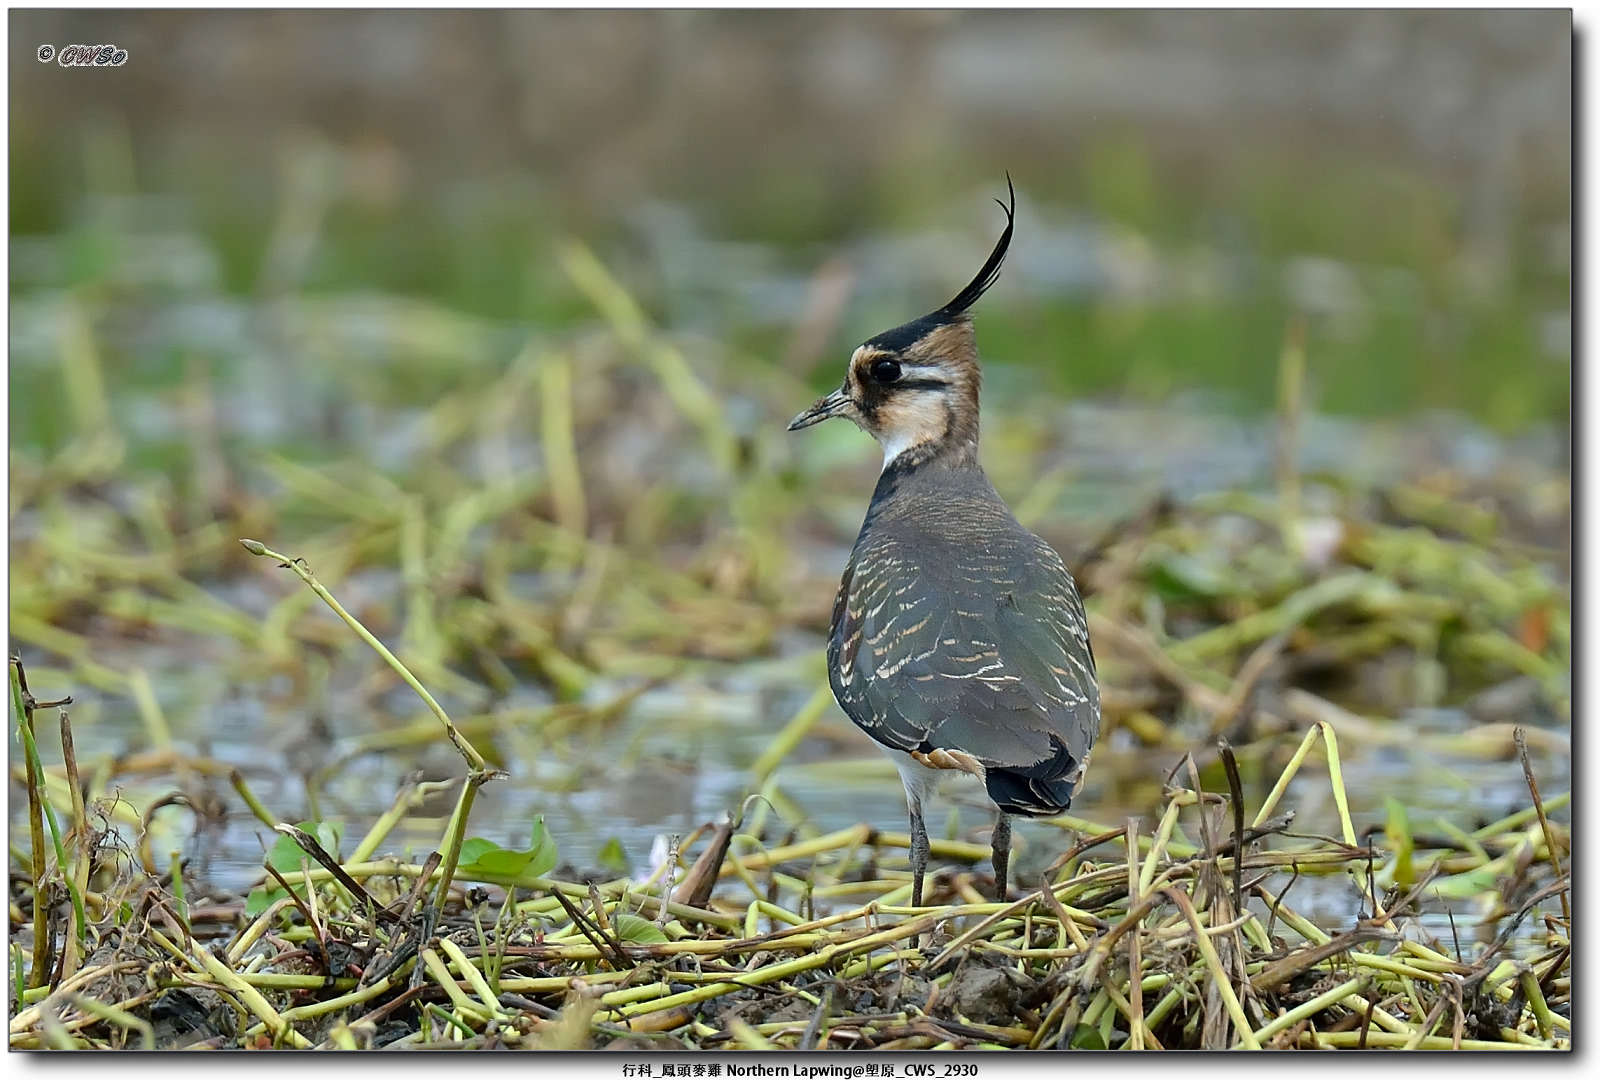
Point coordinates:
pixel 922 371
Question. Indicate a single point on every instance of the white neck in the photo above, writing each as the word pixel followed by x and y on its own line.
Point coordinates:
pixel 896 445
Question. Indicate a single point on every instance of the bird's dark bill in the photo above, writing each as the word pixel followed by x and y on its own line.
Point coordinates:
pixel 825 407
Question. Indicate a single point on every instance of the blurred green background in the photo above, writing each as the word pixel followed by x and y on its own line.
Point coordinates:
pixel 496 318
pixel 1190 181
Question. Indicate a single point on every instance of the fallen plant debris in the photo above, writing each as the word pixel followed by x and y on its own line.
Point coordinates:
pixel 359 953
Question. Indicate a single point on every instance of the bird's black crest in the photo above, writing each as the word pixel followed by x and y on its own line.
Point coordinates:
pixel 901 337
pixel 991 269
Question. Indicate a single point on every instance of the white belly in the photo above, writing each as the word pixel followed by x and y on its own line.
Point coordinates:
pixel 919 779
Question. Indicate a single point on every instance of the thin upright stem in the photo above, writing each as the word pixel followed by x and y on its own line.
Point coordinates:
pixel 459 741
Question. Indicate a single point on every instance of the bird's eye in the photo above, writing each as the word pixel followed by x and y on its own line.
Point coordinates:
pixel 885 370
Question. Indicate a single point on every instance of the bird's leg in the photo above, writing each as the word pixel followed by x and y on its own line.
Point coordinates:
pixel 1002 853
pixel 919 851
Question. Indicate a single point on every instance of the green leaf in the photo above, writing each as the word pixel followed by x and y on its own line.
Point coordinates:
pixel 1471 883
pixel 1085 1037
pixel 1398 830
pixel 1107 1020
pixel 641 931
pixel 475 846
pixel 286 855
pixel 544 846
pixel 480 856
pixel 260 899
pixel 1184 577
pixel 612 857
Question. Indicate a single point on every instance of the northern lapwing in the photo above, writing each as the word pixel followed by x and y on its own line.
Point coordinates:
pixel 959 641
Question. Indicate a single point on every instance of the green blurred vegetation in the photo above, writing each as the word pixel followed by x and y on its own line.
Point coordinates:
pixel 1429 334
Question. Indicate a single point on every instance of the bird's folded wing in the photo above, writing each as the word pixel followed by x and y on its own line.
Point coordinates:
pixel 984 652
